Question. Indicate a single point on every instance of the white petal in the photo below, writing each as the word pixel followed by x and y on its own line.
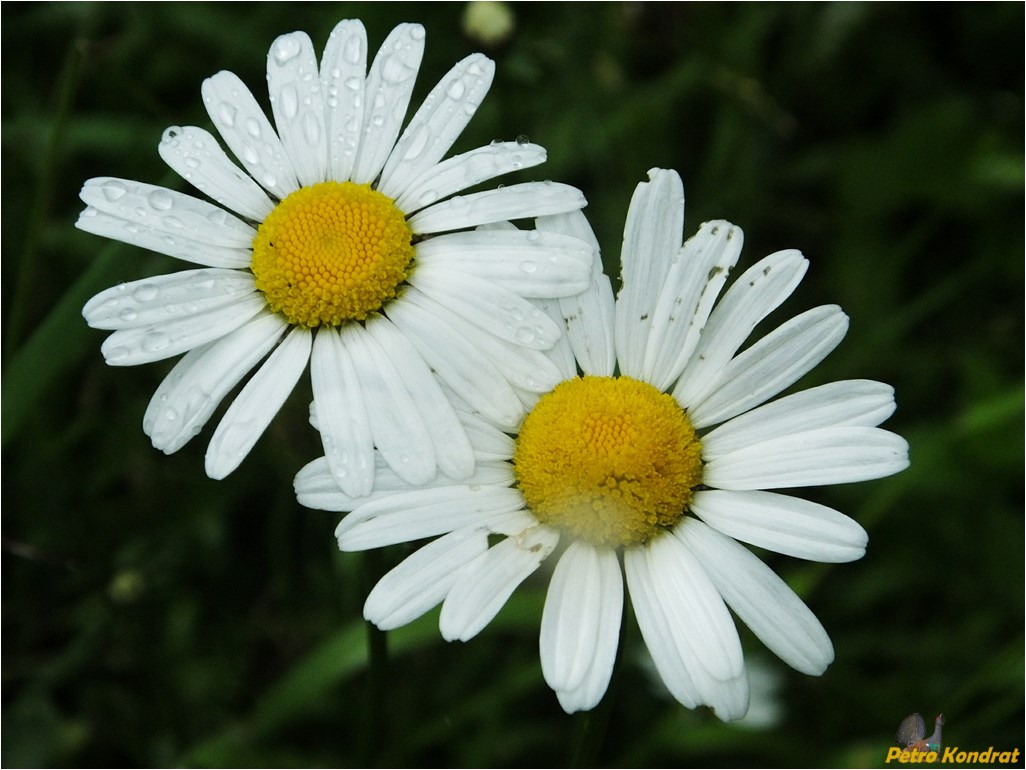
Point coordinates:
pixel 257 404
pixel 588 315
pixel 694 279
pixel 343 81
pixel 653 234
pixel 485 584
pixel 824 456
pixel 145 344
pixel 342 418
pixel 161 241
pixel 561 354
pixel 770 365
pixel 458 363
pixel 316 487
pixel 656 629
pixel 489 442
pixel 694 605
pixel 702 635
pixel 581 623
pixel 527 262
pixel 397 425
pixel 758 291
pixel 760 598
pixel 192 390
pixel 453 451
pixel 466 170
pixel 248 134
pixel 488 306
pixel 437 123
pixel 782 523
pixel 167 211
pixel 294 84
pixel 423 579
pixel 518 201
pixel 526 369
pixel 198 158
pixel 166 298
pixel 388 90
pixel 403 517
pixel 848 402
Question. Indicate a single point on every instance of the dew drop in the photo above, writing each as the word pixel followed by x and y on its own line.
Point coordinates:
pixel 192 162
pixel 290 101
pixel 170 135
pixel 456 90
pixel 524 336
pixel 311 128
pixel 170 415
pixel 417 32
pixel 161 200
pixel 522 139
pixel 144 292
pixel 128 315
pixel 353 84
pixel 529 266
pixel 113 190
pixel 285 49
pixel 353 51
pixel 226 113
pixel 253 127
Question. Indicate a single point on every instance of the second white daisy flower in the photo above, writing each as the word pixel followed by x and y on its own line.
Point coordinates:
pixel 625 468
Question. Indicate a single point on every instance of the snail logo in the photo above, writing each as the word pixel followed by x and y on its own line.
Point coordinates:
pixel 912 729
pixel 914 747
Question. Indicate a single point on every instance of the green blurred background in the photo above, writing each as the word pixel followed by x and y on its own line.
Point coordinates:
pixel 153 617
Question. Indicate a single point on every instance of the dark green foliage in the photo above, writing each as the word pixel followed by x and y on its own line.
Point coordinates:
pixel 152 617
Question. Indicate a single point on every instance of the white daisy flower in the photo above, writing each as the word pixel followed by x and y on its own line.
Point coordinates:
pixel 657 457
pixel 347 248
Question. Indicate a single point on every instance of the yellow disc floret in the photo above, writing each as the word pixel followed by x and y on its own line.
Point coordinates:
pixel 331 252
pixel 612 461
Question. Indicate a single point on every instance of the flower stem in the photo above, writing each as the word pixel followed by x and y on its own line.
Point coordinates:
pixel 592 726
pixel 375 723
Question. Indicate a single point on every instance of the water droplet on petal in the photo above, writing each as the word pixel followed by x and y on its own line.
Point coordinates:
pixel 144 292
pixel 524 336
pixel 522 139
pixel 529 267
pixel 311 128
pixel 290 101
pixel 226 113
pixel 456 89
pixel 113 190
pixel 285 48
pixel 353 83
pixel 161 200
pixel 128 315
pixel 170 135
pixel 253 127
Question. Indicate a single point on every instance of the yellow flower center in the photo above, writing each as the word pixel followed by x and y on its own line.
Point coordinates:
pixel 331 252
pixel 612 461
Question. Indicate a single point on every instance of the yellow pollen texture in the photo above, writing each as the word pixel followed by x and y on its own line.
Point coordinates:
pixel 331 252
pixel 612 461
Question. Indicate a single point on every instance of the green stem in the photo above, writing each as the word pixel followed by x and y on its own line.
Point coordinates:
pixel 375 721
pixel 592 726
pixel 67 87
